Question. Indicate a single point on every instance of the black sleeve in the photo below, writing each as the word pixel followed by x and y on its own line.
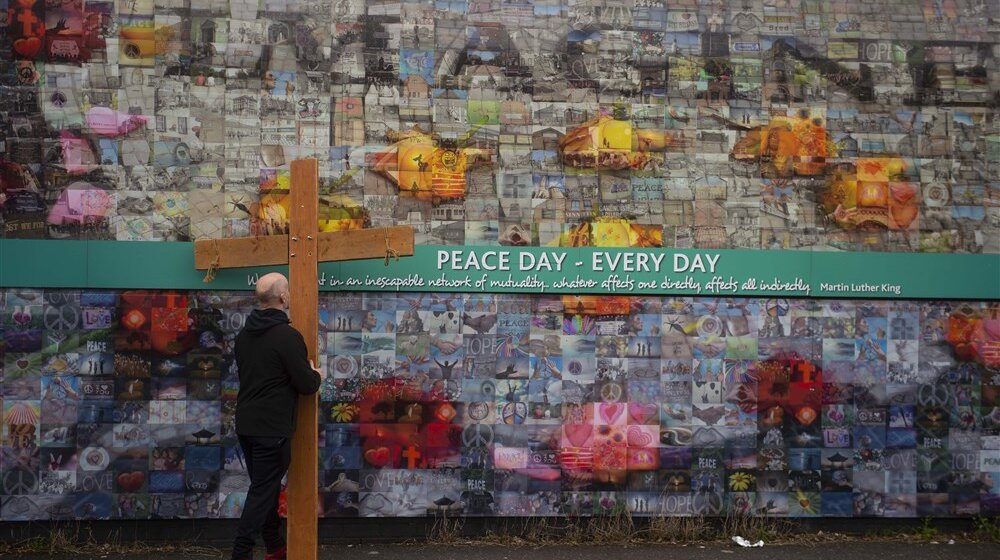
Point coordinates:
pixel 295 357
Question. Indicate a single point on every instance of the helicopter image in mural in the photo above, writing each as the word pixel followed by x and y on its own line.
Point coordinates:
pixel 610 142
pixel 426 167
pixel 876 191
pixel 432 170
pixel 869 192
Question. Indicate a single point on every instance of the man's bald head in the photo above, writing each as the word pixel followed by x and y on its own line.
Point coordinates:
pixel 270 290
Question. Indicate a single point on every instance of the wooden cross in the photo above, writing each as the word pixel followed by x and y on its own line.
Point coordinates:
pixel 302 250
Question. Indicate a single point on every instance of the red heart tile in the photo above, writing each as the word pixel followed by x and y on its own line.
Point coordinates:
pixel 578 434
pixel 28 47
pixel 610 412
pixel 903 215
pixel 902 192
pixel 642 413
pixel 378 456
pixel 131 482
pixel 637 437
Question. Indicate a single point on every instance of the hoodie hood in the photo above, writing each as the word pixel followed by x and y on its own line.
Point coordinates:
pixel 261 320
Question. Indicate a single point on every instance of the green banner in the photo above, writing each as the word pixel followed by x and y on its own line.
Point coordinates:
pixel 557 270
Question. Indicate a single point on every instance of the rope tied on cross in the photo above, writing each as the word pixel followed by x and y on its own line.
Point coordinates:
pixel 389 251
pixel 213 267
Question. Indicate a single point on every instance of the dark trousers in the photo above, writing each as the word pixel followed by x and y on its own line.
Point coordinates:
pixel 267 461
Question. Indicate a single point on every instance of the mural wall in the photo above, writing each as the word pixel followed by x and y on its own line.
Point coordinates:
pixel 687 123
pixel 755 124
pixel 120 405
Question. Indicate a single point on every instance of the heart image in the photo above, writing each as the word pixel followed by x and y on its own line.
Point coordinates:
pixel 28 47
pixel 22 318
pixel 378 456
pixel 611 412
pixel 637 437
pixel 965 351
pixel 903 215
pixel 902 192
pixel 131 482
pixel 22 363
pixel 579 435
pixel 642 413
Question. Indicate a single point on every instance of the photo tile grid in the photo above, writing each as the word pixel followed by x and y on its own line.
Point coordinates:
pixel 753 124
pixel 120 405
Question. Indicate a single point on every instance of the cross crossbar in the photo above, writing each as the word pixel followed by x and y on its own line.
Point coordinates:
pixel 270 250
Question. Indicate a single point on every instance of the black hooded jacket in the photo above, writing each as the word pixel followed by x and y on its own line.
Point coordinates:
pixel 274 369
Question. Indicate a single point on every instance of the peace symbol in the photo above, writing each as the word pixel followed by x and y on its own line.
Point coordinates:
pixel 611 392
pixel 62 318
pixel 20 481
pixel 934 395
pixel 476 435
pixel 514 413
pixel 707 503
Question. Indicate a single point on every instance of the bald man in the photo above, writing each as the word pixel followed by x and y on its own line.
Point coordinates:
pixel 274 369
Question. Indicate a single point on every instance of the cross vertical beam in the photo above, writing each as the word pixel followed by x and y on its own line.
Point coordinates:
pixel 303 474
pixel 301 249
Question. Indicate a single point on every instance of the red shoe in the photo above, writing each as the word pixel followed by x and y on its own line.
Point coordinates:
pixel 280 554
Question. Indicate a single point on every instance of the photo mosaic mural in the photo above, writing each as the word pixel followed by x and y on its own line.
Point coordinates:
pixel 680 123
pixel 750 124
pixel 120 405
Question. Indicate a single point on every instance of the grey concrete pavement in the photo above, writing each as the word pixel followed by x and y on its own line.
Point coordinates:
pixel 823 551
